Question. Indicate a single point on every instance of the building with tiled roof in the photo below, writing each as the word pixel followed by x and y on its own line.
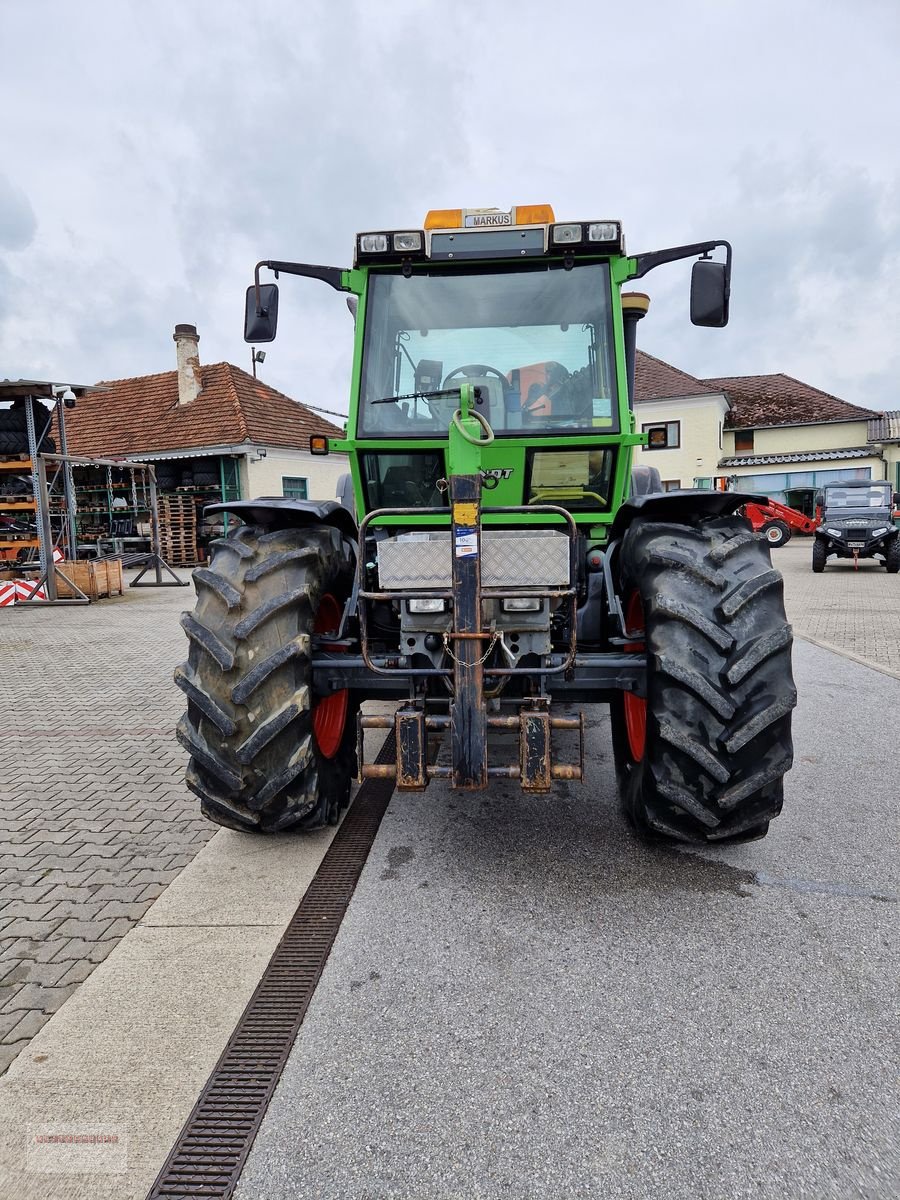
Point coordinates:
pixel 143 416
pixel 762 401
pixel 204 423
pixel 655 379
pixel 765 433
pixel 684 419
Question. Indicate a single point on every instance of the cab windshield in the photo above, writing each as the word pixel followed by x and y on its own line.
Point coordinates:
pixel 537 343
pixel 866 496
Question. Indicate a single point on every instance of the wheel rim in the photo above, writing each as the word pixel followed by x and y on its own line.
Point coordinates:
pixel 329 717
pixel 635 706
pixel 774 536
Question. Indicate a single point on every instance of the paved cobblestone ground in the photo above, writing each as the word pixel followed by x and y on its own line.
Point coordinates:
pixel 856 611
pixel 94 818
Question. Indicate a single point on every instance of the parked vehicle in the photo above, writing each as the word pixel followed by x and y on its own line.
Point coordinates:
pixel 857 523
pixel 491 563
pixel 776 522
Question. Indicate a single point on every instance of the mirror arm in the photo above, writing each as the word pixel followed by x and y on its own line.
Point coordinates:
pixel 646 262
pixel 330 275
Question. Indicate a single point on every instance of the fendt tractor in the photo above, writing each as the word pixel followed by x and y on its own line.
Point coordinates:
pixel 493 563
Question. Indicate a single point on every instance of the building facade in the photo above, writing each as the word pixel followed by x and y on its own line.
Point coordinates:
pixel 761 433
pixel 213 428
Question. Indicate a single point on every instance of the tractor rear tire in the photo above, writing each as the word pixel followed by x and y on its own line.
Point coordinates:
pixel 265 756
pixel 776 533
pixel 892 557
pixel 819 556
pixel 702 759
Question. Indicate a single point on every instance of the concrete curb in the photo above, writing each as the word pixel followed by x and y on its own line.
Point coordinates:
pixel 857 658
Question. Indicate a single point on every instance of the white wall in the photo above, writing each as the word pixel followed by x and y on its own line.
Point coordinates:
pixel 698 455
pixel 788 439
pixel 264 478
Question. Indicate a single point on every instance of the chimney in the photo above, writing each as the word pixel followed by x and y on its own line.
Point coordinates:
pixel 190 383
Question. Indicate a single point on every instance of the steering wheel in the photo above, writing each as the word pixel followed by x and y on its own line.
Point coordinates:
pixel 473 371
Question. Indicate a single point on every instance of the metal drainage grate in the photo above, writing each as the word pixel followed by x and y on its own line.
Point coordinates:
pixel 210 1152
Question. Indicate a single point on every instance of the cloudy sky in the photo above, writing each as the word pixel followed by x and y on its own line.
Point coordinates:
pixel 153 150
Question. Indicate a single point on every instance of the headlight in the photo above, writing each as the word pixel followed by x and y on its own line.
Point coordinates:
pixel 522 604
pixel 427 605
pixel 603 231
pixel 373 243
pixel 563 234
pixel 408 241
pixel 835 532
pixel 878 532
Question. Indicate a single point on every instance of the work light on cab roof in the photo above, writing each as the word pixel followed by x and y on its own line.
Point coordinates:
pixel 524 231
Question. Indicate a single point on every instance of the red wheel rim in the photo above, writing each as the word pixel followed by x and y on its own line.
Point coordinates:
pixel 635 706
pixel 329 717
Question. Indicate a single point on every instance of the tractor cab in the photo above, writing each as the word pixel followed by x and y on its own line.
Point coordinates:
pixel 500 302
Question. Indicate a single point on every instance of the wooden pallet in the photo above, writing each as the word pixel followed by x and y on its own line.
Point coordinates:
pixel 96 579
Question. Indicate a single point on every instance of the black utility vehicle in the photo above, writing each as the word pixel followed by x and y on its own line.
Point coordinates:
pixel 857 523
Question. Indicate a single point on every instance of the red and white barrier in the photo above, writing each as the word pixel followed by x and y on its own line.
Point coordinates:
pixel 24 589
pixel 14 591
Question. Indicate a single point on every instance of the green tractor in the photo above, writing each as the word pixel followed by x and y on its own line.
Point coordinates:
pixel 493 562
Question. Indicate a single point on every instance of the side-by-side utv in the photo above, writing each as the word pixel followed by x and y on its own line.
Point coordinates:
pixel 857 522
pixel 493 564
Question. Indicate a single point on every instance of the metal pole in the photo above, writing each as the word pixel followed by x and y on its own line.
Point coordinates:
pixel 45 534
pixel 68 483
pixel 154 525
pixel 45 545
pixel 468 714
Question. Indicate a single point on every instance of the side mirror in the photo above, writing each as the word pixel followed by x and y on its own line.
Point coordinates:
pixel 710 288
pixel 261 322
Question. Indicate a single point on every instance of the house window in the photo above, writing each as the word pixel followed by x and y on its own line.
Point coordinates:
pixel 663 437
pixel 294 487
pixel 671 485
pixel 743 441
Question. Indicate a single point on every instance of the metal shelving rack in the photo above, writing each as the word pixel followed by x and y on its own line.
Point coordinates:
pixel 43 488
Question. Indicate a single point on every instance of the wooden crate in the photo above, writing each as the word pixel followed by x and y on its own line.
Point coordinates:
pixel 96 579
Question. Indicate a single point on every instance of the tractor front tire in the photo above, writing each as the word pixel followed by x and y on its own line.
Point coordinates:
pixel 702 757
pixel 776 533
pixel 265 754
pixel 892 557
pixel 819 556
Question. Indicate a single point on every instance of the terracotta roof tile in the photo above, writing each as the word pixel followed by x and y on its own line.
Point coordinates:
pixel 142 415
pixel 767 400
pixel 657 380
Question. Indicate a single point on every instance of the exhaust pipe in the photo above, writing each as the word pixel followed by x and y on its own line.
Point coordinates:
pixel 634 307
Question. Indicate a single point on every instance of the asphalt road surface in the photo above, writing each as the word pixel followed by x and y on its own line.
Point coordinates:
pixel 524 1001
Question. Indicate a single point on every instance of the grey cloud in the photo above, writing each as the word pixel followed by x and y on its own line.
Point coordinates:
pixel 17 220
pixel 814 244
pixel 200 140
